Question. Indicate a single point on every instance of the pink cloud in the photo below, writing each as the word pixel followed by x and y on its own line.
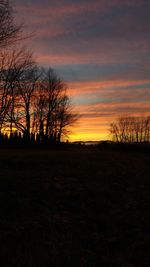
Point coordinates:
pixel 102 87
pixel 97 38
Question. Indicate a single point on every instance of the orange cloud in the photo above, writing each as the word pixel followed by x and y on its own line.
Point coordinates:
pixel 103 52
pixel 96 117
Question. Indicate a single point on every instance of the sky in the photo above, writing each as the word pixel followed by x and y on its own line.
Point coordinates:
pixel 101 48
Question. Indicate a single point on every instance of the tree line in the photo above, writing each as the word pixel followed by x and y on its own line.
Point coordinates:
pixel 33 100
pixel 131 129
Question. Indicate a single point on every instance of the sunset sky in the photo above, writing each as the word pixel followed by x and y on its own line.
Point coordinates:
pixel 101 48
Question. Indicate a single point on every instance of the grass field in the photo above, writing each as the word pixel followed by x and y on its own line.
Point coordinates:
pixel 78 207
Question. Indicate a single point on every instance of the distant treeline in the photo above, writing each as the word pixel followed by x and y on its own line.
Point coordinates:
pixel 131 130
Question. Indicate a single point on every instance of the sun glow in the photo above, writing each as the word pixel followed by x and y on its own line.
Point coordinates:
pixel 82 136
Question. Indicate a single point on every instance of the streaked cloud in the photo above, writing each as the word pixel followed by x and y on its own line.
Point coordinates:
pixel 100 48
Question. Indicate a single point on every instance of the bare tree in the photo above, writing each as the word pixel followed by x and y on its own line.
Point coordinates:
pixel 30 101
pixel 6 83
pixel 131 129
pixel 64 115
pixel 26 83
pixel 9 30
pixel 33 101
pixel 54 88
pixel 53 109
pixel 26 88
pixel 18 78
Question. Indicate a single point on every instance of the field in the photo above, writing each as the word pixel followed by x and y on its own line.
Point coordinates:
pixel 75 207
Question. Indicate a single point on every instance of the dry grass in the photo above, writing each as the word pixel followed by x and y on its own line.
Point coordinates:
pixel 79 207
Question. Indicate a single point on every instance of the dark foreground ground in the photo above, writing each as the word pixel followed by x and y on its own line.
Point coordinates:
pixel 80 207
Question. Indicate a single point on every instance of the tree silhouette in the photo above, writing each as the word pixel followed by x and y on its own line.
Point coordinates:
pixel 131 129
pixel 52 107
pixel 9 31
pixel 17 67
pixel 33 101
